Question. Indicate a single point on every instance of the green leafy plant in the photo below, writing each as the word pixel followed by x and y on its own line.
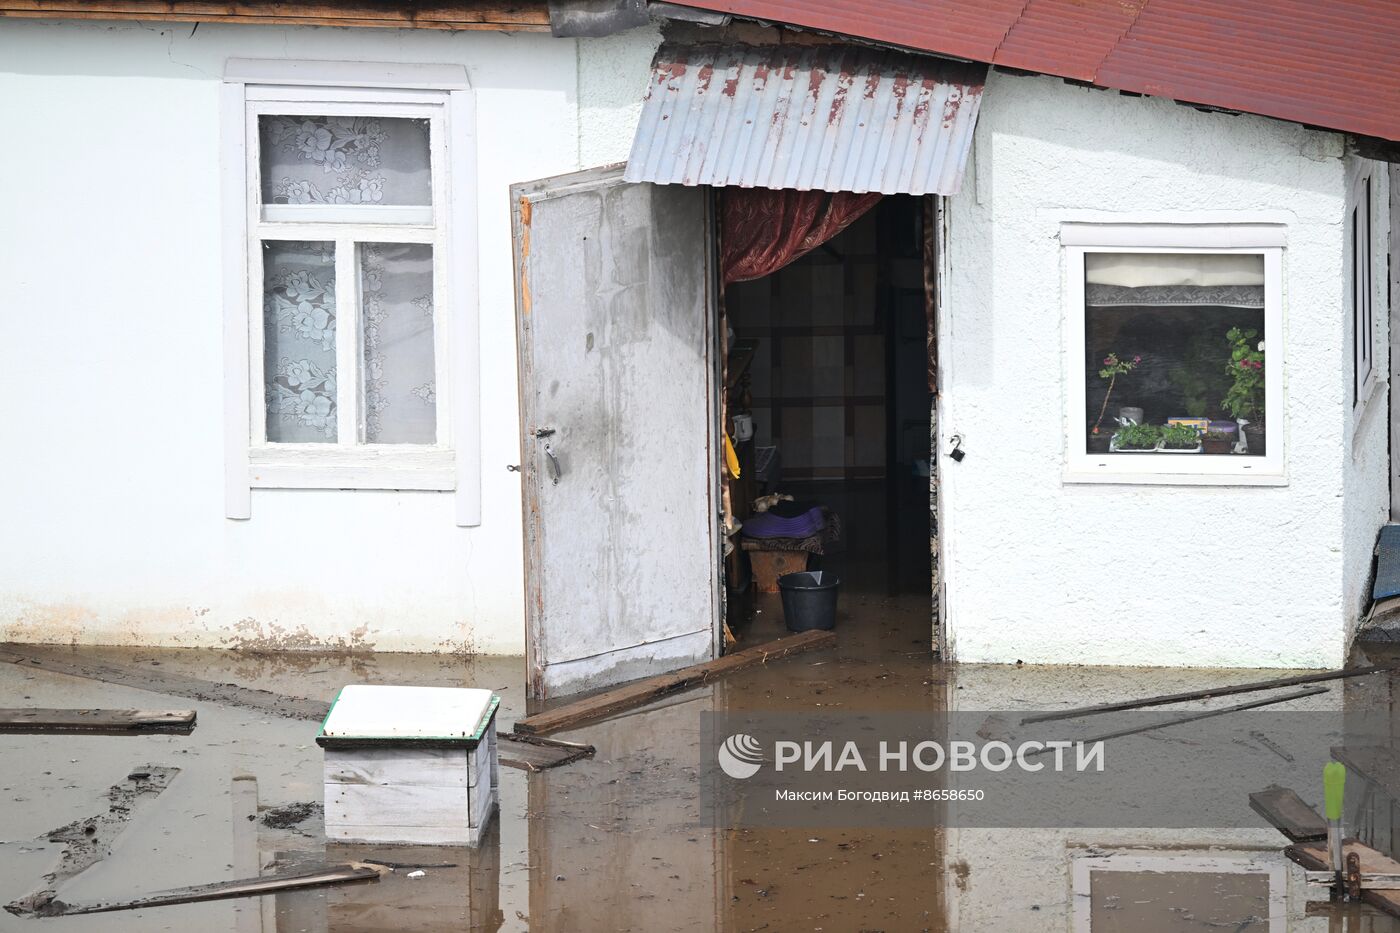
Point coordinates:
pixel 1139 436
pixel 1180 437
pixel 1113 367
pixel 1245 398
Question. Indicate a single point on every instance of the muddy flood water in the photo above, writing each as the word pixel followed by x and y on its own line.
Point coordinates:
pixel 616 841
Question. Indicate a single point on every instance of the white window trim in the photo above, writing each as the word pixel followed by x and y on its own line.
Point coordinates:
pixel 1268 864
pixel 455 462
pixel 1362 276
pixel 1173 469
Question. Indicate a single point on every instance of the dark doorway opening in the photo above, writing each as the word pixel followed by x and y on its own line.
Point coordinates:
pixel 829 360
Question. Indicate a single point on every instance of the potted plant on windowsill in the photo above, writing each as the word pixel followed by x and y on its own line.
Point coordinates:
pixel 1181 439
pixel 1245 399
pixel 1137 438
pixel 1218 442
pixel 1100 437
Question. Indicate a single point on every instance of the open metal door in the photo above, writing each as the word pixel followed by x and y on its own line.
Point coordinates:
pixel 617 386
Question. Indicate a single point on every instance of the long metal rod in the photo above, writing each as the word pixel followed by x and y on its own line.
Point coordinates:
pixel 1206 694
pixel 1192 717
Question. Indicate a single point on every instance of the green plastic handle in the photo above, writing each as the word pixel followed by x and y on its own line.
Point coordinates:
pixel 1334 779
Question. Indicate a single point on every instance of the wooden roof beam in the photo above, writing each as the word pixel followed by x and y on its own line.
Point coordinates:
pixel 525 16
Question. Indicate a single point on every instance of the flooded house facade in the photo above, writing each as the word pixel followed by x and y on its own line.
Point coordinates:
pixel 367 335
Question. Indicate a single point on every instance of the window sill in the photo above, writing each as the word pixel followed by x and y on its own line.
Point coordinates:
pixel 304 466
pixel 1080 477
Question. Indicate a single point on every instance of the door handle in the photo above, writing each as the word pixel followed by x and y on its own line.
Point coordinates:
pixel 553 462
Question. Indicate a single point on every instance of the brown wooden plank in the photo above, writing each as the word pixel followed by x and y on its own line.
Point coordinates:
pixel 1313 857
pixel 35 721
pixel 537 753
pixel 1221 691
pixel 462 14
pixel 1285 811
pixel 603 705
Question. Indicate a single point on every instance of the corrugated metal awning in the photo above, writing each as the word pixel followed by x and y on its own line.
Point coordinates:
pixel 828 117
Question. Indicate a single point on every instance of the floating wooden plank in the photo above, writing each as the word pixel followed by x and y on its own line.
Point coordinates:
pixel 603 705
pixel 1313 857
pixel 1193 717
pixel 426 14
pixel 103 721
pixel 349 873
pixel 1285 811
pixel 537 753
pixel 532 753
pixel 1223 691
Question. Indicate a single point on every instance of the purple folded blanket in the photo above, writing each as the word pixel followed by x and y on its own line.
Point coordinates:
pixel 768 525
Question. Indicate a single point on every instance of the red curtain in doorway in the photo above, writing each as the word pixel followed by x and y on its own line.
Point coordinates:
pixel 762 230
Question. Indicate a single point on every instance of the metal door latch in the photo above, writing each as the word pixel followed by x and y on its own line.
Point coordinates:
pixel 544 432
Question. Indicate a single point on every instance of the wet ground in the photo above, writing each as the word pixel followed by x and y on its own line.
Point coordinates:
pixel 615 842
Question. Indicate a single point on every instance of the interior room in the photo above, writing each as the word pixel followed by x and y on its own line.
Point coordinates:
pixel 828 403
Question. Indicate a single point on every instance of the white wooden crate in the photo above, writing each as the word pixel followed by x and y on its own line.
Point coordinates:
pixel 410 765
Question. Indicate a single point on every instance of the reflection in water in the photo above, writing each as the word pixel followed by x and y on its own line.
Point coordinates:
pixel 617 842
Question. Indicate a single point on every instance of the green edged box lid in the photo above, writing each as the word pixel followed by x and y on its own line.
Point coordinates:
pixel 374 715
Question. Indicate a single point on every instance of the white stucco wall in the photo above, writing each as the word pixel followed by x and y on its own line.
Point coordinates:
pixel 1366 453
pixel 110 316
pixel 1042 571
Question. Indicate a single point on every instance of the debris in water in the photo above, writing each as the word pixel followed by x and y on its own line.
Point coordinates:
pixel 89 840
pixel 420 873
pixel 289 815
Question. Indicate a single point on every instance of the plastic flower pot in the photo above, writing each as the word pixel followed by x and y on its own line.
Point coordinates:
pixel 1254 439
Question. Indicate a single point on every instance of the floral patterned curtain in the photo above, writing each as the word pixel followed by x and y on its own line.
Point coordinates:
pixel 344 160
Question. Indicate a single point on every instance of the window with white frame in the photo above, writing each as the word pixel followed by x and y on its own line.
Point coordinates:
pixel 357 287
pixel 347 245
pixel 1363 373
pixel 1174 348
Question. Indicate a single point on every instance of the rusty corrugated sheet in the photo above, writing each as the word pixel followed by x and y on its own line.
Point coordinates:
pixel 829 117
pixel 1327 63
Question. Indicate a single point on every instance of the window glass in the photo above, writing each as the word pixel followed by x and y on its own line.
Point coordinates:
pixel 1175 354
pixel 344 160
pixel 299 332
pixel 400 386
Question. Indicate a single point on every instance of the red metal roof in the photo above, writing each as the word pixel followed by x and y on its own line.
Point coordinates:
pixel 1328 63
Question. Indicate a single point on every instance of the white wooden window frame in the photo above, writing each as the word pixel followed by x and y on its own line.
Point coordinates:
pixel 442 95
pixel 1262 239
pixel 1269 865
pixel 1361 230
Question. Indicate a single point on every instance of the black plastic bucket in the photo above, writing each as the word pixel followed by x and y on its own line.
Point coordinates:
pixel 809 599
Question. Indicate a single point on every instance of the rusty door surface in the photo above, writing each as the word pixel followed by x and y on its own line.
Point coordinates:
pixel 617 389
